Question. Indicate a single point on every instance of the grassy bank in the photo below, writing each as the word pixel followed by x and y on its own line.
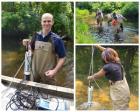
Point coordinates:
pixel 83 34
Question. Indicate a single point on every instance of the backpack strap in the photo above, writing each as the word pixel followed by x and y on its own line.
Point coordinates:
pixel 33 41
pixel 50 39
pixel 123 71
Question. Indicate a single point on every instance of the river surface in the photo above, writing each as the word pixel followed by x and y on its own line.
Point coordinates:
pixel 129 35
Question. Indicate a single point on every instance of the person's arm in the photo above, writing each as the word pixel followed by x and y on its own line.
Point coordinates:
pixel 100 48
pixel 52 73
pixel 97 75
pixel 61 53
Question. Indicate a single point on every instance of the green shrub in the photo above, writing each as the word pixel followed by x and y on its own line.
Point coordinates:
pixel 130 10
pixel 83 34
pixel 83 12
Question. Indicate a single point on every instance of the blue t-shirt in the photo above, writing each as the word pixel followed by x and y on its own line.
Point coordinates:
pixel 56 41
pixel 113 71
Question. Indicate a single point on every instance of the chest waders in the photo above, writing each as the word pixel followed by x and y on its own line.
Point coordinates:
pixel 120 94
pixel 99 21
pixel 44 59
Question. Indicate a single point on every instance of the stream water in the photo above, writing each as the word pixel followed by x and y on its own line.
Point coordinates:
pixel 129 35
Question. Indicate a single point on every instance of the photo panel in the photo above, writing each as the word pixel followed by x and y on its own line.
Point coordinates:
pixel 107 77
pixel 37 56
pixel 107 22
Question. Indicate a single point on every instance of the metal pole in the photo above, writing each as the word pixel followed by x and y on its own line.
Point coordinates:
pixel 90 87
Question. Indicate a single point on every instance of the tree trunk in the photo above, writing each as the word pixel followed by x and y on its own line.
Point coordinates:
pixel 128 62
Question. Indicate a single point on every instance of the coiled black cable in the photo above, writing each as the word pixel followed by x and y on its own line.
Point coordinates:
pixel 26 100
pixel 22 100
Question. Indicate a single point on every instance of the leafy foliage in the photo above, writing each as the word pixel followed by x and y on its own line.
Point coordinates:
pixel 83 34
pixel 128 9
pixel 84 5
pixel 25 16
pixel 83 12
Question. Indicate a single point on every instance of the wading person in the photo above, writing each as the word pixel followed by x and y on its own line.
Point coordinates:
pixel 114 72
pixel 115 25
pixel 115 28
pixel 119 17
pixel 48 52
pixel 99 17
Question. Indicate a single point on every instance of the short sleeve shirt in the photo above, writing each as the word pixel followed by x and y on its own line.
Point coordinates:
pixel 57 41
pixel 113 71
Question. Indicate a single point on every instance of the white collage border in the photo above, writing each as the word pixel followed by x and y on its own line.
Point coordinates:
pixel 75 44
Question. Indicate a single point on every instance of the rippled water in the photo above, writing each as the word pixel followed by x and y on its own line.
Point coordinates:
pixel 129 35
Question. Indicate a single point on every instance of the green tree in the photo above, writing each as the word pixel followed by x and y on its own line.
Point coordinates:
pixel 130 10
pixel 25 17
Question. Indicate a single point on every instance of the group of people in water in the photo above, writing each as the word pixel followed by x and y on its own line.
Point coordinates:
pixel 114 18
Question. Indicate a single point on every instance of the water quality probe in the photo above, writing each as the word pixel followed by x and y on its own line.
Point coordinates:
pixel 27 64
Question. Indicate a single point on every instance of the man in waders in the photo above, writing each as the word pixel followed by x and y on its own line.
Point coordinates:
pixel 115 28
pixel 48 52
pixel 114 72
pixel 120 19
pixel 99 17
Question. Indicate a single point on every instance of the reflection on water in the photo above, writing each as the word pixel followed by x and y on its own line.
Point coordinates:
pixel 12 59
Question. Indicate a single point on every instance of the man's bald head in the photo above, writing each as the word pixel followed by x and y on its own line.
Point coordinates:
pixel 46 15
pixel 47 22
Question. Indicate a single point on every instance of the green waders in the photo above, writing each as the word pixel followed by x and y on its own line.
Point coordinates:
pixel 44 58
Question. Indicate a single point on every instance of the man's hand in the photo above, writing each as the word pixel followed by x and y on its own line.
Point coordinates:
pixel 26 41
pixel 50 73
